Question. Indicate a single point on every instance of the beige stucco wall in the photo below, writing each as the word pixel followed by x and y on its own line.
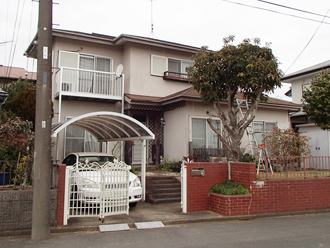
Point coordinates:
pixel 177 131
pixel 140 79
pixel 297 88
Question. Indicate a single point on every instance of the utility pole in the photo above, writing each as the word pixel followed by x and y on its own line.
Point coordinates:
pixel 42 148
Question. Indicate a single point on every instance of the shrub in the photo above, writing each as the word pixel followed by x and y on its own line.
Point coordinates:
pixel 248 158
pixel 169 166
pixel 286 143
pixel 229 188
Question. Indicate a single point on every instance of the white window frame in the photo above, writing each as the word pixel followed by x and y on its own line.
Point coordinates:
pixel 264 131
pixel 207 125
pixel 85 55
pixel 94 57
pixel 65 137
pixel 166 66
pixel 152 65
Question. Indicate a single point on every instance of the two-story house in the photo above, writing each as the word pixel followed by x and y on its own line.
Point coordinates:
pixel 153 89
pixel 319 139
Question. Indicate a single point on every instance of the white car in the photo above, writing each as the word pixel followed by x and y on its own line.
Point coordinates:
pixel 88 184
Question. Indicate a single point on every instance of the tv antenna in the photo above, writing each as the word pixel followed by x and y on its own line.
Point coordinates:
pixel 152 34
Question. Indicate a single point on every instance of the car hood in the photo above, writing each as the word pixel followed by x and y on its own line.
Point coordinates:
pixel 95 175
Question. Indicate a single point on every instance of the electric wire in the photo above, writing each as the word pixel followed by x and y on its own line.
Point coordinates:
pixel 273 11
pixel 8 69
pixel 30 31
pixel 308 42
pixel 17 34
pixel 287 7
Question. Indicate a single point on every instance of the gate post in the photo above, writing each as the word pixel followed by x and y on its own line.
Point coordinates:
pixel 143 169
pixel 61 194
pixel 184 187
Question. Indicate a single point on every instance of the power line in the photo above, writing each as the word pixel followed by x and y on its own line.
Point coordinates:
pixel 308 42
pixel 287 7
pixel 277 12
pixel 11 47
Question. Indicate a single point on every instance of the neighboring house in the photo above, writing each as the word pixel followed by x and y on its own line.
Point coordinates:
pixel 300 80
pixel 154 90
pixel 10 74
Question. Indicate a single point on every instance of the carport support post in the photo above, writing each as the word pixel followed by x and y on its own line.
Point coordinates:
pixel 42 153
pixel 143 169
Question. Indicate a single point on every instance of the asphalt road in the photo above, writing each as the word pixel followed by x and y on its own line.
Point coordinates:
pixel 292 232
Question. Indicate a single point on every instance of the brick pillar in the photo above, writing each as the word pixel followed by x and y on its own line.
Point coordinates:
pixel 61 194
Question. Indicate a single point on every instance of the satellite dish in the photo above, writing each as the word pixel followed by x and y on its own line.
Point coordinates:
pixel 119 70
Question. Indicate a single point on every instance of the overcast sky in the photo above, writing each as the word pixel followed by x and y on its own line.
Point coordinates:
pixel 190 22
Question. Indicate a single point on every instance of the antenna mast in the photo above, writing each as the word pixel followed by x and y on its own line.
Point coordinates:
pixel 152 34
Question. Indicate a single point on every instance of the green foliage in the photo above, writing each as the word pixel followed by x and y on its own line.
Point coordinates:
pixel 286 142
pixel 16 138
pixel 230 188
pixel 14 88
pixel 5 115
pixel 21 99
pixel 24 104
pixel 248 70
pixel 248 158
pixel 170 166
pixel 219 75
pixel 316 100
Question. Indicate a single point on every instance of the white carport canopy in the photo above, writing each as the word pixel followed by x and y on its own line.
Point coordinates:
pixel 111 126
pixel 107 126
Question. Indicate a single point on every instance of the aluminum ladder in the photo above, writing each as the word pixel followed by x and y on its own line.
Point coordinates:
pixel 249 130
pixel 263 152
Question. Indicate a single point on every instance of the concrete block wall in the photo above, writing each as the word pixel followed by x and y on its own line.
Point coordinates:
pixel 16 209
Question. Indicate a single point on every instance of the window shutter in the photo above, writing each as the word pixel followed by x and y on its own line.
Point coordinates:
pixel 158 65
pixel 68 59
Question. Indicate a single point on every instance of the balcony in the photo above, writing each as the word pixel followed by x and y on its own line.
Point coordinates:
pixel 177 76
pixel 80 84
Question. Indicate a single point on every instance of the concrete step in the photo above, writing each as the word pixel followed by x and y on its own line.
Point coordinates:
pixel 163 189
pixel 166 195
pixel 163 200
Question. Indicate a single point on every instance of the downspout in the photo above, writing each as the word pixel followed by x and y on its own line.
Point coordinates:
pixel 229 178
pixel 122 150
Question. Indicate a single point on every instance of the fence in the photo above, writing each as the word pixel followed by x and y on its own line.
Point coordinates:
pixel 19 174
pixel 87 81
pixel 205 154
pixel 15 174
pixel 293 167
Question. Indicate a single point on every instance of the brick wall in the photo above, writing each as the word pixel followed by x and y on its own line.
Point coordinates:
pixel 198 186
pixel 243 173
pixel 265 197
pixel 16 209
pixel 276 196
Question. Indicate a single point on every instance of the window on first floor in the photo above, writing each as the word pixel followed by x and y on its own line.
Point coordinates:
pixel 261 128
pixel 203 136
pixel 79 140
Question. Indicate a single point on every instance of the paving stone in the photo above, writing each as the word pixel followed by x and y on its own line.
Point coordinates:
pixel 113 228
pixel 149 225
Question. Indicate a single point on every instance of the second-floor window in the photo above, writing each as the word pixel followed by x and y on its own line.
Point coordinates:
pixel 86 73
pixel 160 64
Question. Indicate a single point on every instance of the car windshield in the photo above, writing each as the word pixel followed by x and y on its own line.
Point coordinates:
pixel 98 159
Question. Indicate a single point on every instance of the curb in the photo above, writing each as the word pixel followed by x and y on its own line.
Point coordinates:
pixel 68 229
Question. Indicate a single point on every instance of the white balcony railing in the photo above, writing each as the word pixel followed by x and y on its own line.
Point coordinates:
pixel 88 83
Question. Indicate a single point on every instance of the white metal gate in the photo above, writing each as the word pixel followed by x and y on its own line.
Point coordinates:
pixel 93 189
